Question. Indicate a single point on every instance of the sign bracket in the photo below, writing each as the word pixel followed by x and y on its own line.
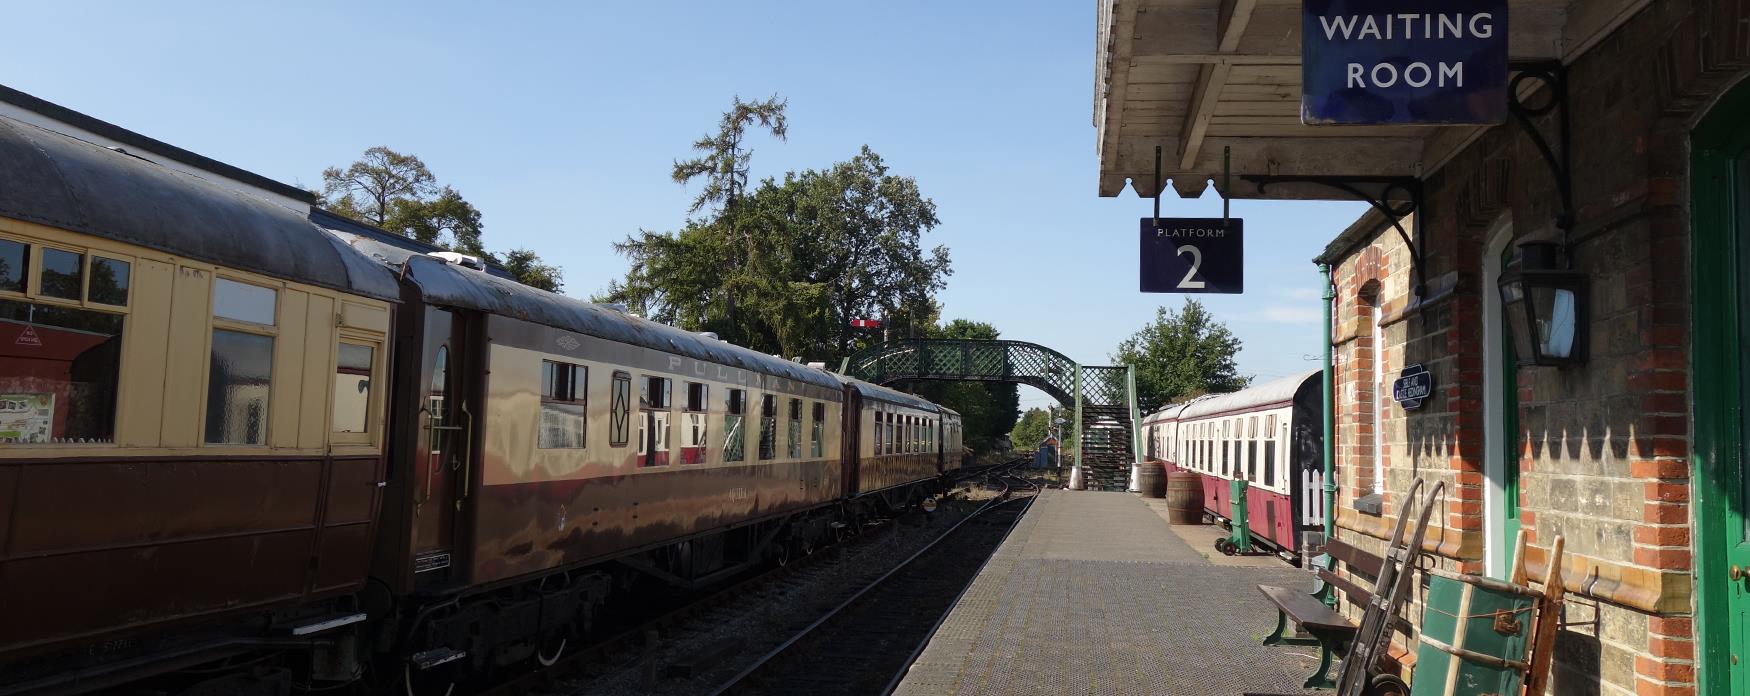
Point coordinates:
pixel 1157 187
pixel 1377 194
pixel 1553 75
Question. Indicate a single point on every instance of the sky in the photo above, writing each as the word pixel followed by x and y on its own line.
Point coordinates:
pixel 561 121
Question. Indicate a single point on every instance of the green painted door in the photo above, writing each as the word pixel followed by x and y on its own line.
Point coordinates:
pixel 1720 181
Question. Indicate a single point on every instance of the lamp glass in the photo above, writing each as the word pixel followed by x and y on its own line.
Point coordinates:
pixel 1553 309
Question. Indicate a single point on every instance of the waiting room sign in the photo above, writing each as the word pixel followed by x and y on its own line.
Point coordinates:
pixel 1391 62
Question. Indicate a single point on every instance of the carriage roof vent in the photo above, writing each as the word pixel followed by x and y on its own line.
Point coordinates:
pixel 817 365
pixel 459 259
pixel 616 307
pixel 711 335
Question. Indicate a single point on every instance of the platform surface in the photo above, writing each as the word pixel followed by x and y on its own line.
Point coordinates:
pixel 1094 593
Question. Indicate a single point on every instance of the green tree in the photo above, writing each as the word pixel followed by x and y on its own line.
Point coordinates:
pixel 1032 429
pixel 814 251
pixel 1180 355
pixel 724 158
pixel 368 188
pixel 528 269
pixel 398 192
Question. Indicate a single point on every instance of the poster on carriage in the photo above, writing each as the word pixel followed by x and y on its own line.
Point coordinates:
pixel 27 417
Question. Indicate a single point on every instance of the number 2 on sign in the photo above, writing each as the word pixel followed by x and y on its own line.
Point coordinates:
pixel 1196 263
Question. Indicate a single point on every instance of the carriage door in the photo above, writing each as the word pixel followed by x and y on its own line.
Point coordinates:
pixel 1720 181
pixel 440 469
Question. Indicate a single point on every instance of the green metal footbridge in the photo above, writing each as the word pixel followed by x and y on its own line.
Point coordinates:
pixel 1107 423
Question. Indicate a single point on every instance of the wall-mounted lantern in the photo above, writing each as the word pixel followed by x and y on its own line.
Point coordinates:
pixel 1546 307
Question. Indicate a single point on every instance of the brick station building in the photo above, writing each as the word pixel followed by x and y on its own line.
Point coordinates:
pixel 1636 454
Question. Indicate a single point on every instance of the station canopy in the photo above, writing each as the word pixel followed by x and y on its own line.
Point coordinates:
pixel 1197 76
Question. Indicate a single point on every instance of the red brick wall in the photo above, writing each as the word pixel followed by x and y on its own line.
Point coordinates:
pixel 1603 448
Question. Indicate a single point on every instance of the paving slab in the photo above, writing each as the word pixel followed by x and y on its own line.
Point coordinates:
pixel 1094 593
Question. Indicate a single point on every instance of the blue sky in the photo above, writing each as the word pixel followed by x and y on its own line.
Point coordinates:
pixel 560 122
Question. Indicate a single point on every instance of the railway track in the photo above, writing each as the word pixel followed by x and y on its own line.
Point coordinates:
pixel 572 673
pixel 866 643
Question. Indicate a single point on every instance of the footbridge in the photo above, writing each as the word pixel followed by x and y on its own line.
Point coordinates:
pixel 1107 423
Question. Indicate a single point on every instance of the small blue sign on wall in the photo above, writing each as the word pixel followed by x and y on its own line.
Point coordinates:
pixel 1413 386
pixel 1392 62
pixel 1194 255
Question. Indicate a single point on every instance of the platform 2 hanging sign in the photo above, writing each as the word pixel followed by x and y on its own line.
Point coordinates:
pixel 1193 255
pixel 1392 62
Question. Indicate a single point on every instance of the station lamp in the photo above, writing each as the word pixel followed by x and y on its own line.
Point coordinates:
pixel 1545 307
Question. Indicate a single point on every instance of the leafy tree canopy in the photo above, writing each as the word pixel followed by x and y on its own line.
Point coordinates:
pixel 398 193
pixel 1181 354
pixel 785 267
pixel 1032 429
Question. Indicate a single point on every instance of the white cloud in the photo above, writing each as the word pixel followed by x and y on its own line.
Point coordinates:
pixel 1302 293
pixel 1293 314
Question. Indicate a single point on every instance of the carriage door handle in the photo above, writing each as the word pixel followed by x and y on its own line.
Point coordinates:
pixel 1736 573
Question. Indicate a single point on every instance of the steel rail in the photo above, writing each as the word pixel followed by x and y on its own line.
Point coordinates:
pixel 773 655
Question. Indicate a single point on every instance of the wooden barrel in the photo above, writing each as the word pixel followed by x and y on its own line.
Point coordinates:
pixel 1151 480
pixel 1184 498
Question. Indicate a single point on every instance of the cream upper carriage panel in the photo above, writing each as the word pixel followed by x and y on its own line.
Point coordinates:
pixel 100 239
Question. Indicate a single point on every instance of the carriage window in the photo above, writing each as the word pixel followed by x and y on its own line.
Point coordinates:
pixel 109 281
pixel 243 302
pixel 352 386
pixel 768 426
pixel 237 387
pixel 734 440
pixel 653 426
pixel 1252 460
pixel 14 265
pixel 793 448
pixel 620 410
pixel 817 433
pixel 564 387
pixel 1270 462
pixel 63 274
pixel 877 432
pixel 693 427
pixel 892 433
pixel 58 372
pixel 1224 462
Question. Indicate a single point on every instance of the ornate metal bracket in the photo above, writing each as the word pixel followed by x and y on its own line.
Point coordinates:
pixel 1378 193
pixel 1553 75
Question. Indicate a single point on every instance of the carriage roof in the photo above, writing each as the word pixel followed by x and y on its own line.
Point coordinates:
pixel 1273 392
pixel 64 182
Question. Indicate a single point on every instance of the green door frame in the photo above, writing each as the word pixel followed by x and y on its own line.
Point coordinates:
pixel 1509 416
pixel 1717 143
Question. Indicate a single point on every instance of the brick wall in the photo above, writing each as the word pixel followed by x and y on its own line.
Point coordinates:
pixel 1603 449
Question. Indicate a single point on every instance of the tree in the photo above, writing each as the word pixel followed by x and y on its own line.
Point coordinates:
pixel 369 187
pixel 815 251
pixel 1180 355
pixel 398 193
pixel 528 269
pixel 1032 429
pixel 724 159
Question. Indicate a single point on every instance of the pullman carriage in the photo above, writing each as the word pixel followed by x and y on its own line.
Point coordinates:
pixel 1270 436
pixel 191 415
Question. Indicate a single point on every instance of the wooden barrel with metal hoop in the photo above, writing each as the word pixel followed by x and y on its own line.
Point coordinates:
pixel 1184 498
pixel 1151 480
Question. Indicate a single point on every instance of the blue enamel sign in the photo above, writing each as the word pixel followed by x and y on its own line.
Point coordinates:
pixel 1193 255
pixel 1413 386
pixel 1392 62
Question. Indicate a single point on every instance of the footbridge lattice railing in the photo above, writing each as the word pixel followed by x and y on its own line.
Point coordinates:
pixel 1107 423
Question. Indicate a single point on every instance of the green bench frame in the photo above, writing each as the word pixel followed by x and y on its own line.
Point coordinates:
pixel 1327 628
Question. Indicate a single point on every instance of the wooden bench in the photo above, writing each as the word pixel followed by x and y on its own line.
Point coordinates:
pixel 1326 628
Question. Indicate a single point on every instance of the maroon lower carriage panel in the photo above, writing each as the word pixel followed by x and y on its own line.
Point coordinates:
pixel 109 547
pixel 530 527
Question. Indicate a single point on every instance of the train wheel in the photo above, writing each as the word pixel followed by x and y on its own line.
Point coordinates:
pixel 558 649
pixel 1386 685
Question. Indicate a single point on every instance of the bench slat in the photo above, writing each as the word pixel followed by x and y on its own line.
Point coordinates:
pixel 1307 611
pixel 1354 557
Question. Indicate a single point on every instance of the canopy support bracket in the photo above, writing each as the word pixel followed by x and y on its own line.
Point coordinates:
pixel 1376 191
